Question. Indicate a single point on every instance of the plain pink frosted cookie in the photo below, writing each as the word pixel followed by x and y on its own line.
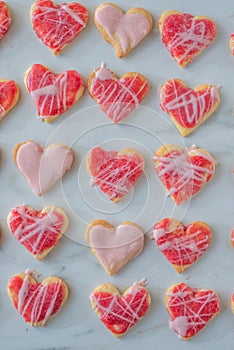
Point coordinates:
pixel 42 167
pixel 122 30
pixel 114 247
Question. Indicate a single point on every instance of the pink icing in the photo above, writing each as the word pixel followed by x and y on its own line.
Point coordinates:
pixel 115 247
pixel 103 73
pixel 130 28
pixel 179 325
pixel 43 167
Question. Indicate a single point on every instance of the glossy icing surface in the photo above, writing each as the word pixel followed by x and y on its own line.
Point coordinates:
pixel 72 259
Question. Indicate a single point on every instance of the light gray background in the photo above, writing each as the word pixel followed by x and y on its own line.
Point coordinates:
pixel 77 326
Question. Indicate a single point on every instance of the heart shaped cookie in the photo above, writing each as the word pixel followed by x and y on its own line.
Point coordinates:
pixel 9 96
pixel 181 245
pixel 53 94
pixel 37 230
pixel 232 238
pixel 123 31
pixel 119 312
pixel 186 36
pixel 42 167
pixel 36 302
pixel 5 19
pixel 117 97
pixel 115 172
pixel 190 309
pixel 232 303
pixel 57 25
pixel 188 108
pixel 183 171
pixel 114 247
pixel 231 43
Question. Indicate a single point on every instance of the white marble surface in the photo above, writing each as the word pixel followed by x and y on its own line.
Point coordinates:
pixel 77 326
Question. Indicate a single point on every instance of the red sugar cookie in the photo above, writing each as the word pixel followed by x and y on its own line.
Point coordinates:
pixel 36 302
pixel 37 230
pixel 53 94
pixel 9 96
pixel 188 108
pixel 115 172
pixel 119 312
pixel 181 245
pixel 5 19
pixel 183 171
pixel 117 97
pixel 191 309
pixel 186 36
pixel 57 25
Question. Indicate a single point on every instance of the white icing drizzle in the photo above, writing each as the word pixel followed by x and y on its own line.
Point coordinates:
pixel 192 38
pixel 184 247
pixel 188 318
pixel 124 313
pixel 36 300
pixel 74 15
pixel 193 107
pixel 117 99
pixel 181 167
pixel 54 95
pixel 157 233
pixel 62 29
pixel 50 222
pixel 118 186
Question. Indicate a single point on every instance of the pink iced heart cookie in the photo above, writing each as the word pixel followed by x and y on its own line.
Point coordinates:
pixel 5 19
pixel 188 108
pixel 117 97
pixel 57 25
pixel 119 313
pixel 42 167
pixel 191 309
pixel 53 94
pixel 181 245
pixel 9 96
pixel 123 31
pixel 183 171
pixel 37 230
pixel 115 172
pixel 186 36
pixel 114 247
pixel 36 302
